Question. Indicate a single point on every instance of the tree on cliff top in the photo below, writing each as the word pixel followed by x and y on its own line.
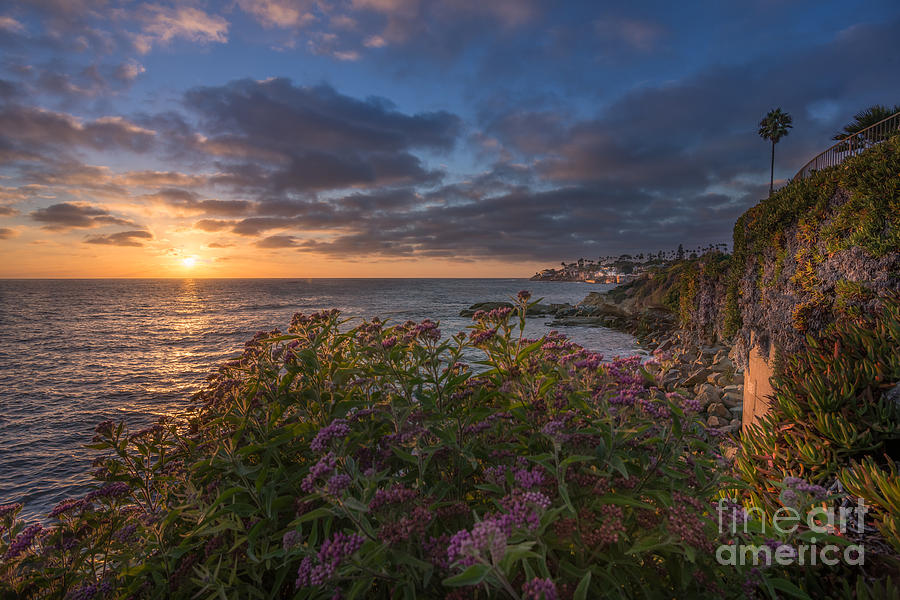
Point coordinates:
pixel 773 127
pixel 866 118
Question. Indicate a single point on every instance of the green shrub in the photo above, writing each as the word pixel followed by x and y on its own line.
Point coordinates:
pixel 373 462
pixel 829 407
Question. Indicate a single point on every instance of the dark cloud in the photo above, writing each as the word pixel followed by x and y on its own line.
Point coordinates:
pixel 194 203
pixel 212 225
pixel 122 238
pixel 6 233
pixel 8 211
pixel 277 241
pixel 315 137
pixel 37 133
pixel 63 216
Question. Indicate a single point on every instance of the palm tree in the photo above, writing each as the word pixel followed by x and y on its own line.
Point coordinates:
pixel 773 127
pixel 866 118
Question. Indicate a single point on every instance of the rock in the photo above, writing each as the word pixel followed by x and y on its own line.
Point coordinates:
pixel 722 379
pixel 696 377
pixel 736 423
pixel 539 310
pixel 722 365
pixel 671 377
pixel 708 394
pixel 718 409
pixel 582 321
pixel 736 411
pixel 715 421
pixel 733 388
pixel 709 351
pixel 730 399
pixel 721 354
pixel 665 345
pixel 485 306
pixel 712 378
pixel 738 378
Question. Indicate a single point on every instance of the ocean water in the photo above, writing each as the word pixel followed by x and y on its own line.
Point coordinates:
pixel 76 352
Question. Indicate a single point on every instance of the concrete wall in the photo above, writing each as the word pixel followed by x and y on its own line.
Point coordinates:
pixel 757 386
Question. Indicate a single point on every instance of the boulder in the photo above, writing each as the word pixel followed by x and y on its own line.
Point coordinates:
pixel 724 364
pixel 732 399
pixel 696 377
pixel 718 409
pixel 715 421
pixel 708 394
pixel 738 378
pixel 582 321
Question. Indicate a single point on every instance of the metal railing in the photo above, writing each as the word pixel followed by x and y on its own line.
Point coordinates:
pixel 852 145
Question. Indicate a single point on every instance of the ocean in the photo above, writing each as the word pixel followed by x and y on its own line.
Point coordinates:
pixel 76 352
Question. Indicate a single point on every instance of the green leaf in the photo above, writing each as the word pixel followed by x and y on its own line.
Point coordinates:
pixel 583 585
pixel 786 586
pixel 471 576
pixel 616 461
pixel 355 504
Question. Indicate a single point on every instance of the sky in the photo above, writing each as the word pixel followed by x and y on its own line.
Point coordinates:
pixel 408 138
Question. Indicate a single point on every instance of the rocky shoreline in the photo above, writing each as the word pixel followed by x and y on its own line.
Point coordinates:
pixel 706 373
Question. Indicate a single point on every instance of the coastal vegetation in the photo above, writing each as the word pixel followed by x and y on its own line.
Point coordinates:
pixel 374 461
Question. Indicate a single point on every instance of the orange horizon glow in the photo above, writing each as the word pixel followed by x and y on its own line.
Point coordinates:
pixel 51 259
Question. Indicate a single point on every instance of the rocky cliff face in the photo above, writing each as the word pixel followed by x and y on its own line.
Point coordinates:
pixel 819 250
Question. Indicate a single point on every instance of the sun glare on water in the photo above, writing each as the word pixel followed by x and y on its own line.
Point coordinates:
pixel 188 262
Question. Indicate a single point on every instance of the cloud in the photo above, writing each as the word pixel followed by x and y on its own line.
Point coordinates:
pixel 128 71
pixel 280 13
pixel 162 24
pixel 10 24
pixel 277 241
pixel 191 203
pixel 65 215
pixel 36 132
pixel 277 137
pixel 7 211
pixel 213 225
pixel 6 233
pixel 122 238
pixel 155 179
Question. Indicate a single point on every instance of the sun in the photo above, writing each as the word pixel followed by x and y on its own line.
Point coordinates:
pixel 188 262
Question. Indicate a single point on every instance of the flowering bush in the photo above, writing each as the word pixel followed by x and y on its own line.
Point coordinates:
pixel 385 461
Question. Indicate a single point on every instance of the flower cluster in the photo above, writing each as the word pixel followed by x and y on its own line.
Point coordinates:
pixel 23 541
pixel 798 492
pixel 539 589
pixel 485 542
pixel 336 430
pixel 319 471
pixel 331 554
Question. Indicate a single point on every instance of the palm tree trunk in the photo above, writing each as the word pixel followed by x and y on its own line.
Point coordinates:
pixel 772 170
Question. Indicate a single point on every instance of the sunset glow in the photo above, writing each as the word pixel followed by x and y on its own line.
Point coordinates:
pixel 344 140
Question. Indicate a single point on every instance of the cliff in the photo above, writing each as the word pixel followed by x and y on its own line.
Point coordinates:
pixel 818 250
